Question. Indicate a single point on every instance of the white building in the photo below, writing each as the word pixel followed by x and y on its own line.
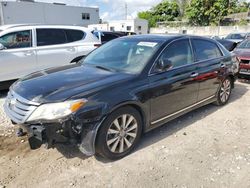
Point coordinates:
pixel 139 26
pixel 20 12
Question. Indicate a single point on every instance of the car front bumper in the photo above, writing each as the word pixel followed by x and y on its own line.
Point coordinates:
pixel 67 133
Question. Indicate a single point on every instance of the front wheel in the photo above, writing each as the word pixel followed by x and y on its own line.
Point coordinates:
pixel 224 92
pixel 119 133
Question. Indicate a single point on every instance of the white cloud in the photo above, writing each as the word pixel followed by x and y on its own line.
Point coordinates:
pixel 105 16
pixel 133 7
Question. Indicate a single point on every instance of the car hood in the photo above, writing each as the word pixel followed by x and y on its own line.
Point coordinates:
pixel 242 53
pixel 59 84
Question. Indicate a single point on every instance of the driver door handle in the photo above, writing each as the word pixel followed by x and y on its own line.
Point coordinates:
pixel 29 53
pixel 222 65
pixel 194 74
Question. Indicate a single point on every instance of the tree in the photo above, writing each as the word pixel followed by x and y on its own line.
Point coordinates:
pixel 164 11
pixel 211 12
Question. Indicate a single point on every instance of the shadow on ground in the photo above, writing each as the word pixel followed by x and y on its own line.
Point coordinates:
pixel 188 119
pixel 162 132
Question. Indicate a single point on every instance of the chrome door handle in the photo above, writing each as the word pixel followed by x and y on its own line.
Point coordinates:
pixel 222 65
pixel 71 49
pixel 29 53
pixel 195 74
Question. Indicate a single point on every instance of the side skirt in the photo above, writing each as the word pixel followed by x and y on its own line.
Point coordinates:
pixel 179 113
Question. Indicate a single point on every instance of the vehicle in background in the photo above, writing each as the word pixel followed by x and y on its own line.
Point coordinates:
pixel 106 36
pixel 229 45
pixel 126 87
pixel 237 37
pixel 28 48
pixel 242 52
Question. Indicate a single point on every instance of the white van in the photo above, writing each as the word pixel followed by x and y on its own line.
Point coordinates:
pixel 28 48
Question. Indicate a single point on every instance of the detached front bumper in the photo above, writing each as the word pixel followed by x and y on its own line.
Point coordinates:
pixel 67 133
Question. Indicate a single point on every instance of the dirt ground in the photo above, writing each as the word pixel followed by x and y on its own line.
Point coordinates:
pixel 209 147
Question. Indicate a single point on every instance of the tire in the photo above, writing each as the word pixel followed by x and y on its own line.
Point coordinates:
pixel 224 93
pixel 119 133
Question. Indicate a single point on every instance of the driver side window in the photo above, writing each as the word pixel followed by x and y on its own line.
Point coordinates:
pixel 19 39
pixel 179 53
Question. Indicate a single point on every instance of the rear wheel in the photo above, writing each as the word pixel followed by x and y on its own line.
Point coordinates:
pixel 224 92
pixel 119 134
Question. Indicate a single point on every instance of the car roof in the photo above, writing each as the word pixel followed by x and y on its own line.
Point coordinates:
pixel 4 27
pixel 164 37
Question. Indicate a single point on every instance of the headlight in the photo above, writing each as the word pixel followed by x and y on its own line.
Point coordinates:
pixel 56 110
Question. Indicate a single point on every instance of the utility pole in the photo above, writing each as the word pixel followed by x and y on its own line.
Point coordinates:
pixel 126 11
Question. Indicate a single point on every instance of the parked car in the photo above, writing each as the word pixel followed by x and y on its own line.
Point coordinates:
pixel 243 53
pixel 28 48
pixel 229 45
pixel 106 36
pixel 237 37
pixel 126 87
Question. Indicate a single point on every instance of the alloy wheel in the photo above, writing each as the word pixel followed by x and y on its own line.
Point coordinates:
pixel 225 91
pixel 122 133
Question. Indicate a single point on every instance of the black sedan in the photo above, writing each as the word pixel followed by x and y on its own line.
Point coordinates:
pixel 128 86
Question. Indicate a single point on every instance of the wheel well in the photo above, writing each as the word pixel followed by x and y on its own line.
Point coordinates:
pixel 232 78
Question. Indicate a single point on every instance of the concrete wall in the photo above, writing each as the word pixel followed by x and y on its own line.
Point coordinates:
pixel 203 31
pixel 46 13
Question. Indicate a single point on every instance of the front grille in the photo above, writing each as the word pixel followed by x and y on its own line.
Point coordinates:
pixel 244 61
pixel 17 108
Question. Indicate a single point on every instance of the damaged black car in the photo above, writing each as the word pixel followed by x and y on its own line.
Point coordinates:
pixel 126 87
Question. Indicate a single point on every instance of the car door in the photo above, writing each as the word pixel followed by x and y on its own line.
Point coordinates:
pixel 174 89
pixel 210 61
pixel 53 49
pixel 18 58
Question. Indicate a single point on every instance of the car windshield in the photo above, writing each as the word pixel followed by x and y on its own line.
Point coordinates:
pixel 245 44
pixel 123 55
pixel 236 36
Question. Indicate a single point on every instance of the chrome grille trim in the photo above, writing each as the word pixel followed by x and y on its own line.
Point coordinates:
pixel 18 108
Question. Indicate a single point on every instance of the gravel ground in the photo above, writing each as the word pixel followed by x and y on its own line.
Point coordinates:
pixel 209 147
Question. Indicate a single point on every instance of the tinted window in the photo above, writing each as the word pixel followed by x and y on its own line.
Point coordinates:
pixel 205 50
pixel 245 44
pixel 47 37
pixel 20 39
pixel 108 37
pixel 74 35
pixel 239 36
pixel 179 53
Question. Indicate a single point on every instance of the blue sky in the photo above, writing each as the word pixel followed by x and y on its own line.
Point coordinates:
pixel 112 9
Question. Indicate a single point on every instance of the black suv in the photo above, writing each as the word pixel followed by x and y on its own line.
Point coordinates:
pixel 126 87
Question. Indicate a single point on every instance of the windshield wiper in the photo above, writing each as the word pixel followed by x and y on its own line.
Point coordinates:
pixel 103 68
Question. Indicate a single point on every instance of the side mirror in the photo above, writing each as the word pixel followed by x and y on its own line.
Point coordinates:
pixel 2 47
pixel 164 64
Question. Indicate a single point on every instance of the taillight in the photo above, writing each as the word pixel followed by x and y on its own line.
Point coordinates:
pixel 97 45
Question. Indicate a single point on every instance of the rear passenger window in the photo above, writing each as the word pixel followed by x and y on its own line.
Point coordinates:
pixel 205 50
pixel 179 53
pixel 74 35
pixel 46 37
